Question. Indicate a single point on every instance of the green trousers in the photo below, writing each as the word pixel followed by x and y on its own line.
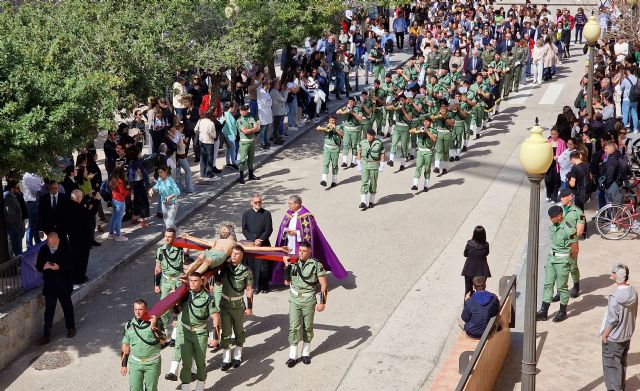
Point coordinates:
pixel 166 287
pixel 350 142
pixel 458 134
pixel 388 117
pixel 365 125
pixel 478 114
pixel 369 180
pixel 556 272
pixel 443 144
pixel 378 120
pixel 177 352
pixel 467 126
pixel 423 164
pixel 246 155
pixel 144 377
pixel 193 344
pixel 301 312
pixel 401 134
pixel 517 73
pixel 378 72
pixel 330 157
pixel 575 272
pixel 232 318
pixel 508 83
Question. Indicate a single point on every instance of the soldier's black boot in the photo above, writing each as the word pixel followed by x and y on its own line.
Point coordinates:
pixel 575 291
pixel 544 312
pixel 562 314
pixel 291 363
pixel 390 163
pixel 225 366
pixel 241 178
pixel 555 298
pixel 252 176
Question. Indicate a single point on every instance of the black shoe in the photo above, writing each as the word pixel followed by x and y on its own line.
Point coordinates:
pixel 555 298
pixel 544 311
pixel 411 157
pixel 235 363
pixel 457 158
pixel 71 333
pixel 352 165
pixel 451 158
pixel 240 178
pixel 444 171
pixel 291 363
pixel 363 206
pixel 196 160
pixel 171 343
pixel 279 141
pixel 95 244
pixel 216 170
pixel 390 163
pixel 436 170
pixel 562 314
pixel 306 360
pixel 265 147
pixel 323 183
pixel 343 165
pixel 575 291
pixel 194 377
pixel 388 135
pixel 402 168
pixel 464 149
pixel 225 366
pixel 477 136
pixel 235 166
pixel 171 377
pixel 371 205
pixel 426 189
pixel 44 340
pixel 333 184
pixel 252 177
pixel 414 187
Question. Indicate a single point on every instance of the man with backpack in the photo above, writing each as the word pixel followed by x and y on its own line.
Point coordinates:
pixel 630 96
pixel 612 173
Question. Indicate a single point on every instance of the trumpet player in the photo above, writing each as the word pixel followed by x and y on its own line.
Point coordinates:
pixel 378 96
pixel 351 127
pixel 426 139
pixel 333 135
pixel 443 122
pixel 459 118
pixel 404 114
pixel 468 104
pixel 366 106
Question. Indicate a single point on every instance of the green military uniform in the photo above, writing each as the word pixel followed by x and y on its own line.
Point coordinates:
pixel 558 266
pixel 498 67
pixel 170 259
pixel 387 114
pixel 365 124
pixel 433 60
pixel 509 63
pixel 302 301
pixel 487 56
pixel 478 110
pixel 458 133
pixel 456 78
pixel 471 112
pixel 416 122
pixel 574 216
pixel 234 282
pixel 330 151
pixel 247 149
pixel 445 55
pixel 424 157
pixel 197 307
pixel 411 72
pixel 378 63
pixel 443 142
pixel 398 82
pixel 351 128
pixel 519 55
pixel 370 153
pixel 401 132
pixel 378 114
pixel 144 355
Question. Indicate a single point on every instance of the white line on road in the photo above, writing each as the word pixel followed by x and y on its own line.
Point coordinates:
pixel 552 94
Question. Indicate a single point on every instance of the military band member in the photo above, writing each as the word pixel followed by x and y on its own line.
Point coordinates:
pixel 443 122
pixel 404 114
pixel 376 57
pixel 302 278
pixel 351 127
pixel 248 127
pixel 409 71
pixel 332 139
pixel 141 346
pixel 487 55
pixel 378 97
pixel 468 103
pixel 459 117
pixel 370 162
pixel 433 59
pixel 520 52
pixel 387 119
pixel 366 106
pixel 507 72
pixel 426 139
pixel 236 280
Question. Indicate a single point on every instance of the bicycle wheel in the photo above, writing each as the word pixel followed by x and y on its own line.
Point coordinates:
pixel 613 222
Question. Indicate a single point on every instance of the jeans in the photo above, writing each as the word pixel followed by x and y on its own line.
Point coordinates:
pixel 338 85
pixel 206 160
pixel 15 234
pixel 264 137
pixel 117 212
pixel 614 196
pixel 614 364
pixel 32 233
pixel 157 138
pixel 183 165
pixel 527 71
pixel 293 108
pixel 400 40
pixel 50 302
pixel 231 154
pixel 630 114
pixel 579 29
pixel 253 108
pixel 169 211
pixel 277 122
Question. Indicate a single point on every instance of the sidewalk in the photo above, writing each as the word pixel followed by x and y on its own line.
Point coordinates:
pixel 20 320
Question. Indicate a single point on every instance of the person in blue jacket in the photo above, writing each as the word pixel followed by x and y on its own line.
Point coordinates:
pixel 479 307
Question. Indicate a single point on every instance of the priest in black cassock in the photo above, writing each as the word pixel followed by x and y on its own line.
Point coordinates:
pixel 257 227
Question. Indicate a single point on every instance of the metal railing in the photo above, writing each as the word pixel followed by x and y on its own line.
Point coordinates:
pixel 507 289
pixel 10 279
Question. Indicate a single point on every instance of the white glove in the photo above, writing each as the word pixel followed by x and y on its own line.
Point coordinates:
pixel 381 167
pixel 359 165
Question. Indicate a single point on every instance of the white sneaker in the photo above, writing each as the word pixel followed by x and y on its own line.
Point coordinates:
pixel 110 237
pixel 121 238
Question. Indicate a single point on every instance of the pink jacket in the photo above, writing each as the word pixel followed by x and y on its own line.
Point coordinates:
pixel 559 149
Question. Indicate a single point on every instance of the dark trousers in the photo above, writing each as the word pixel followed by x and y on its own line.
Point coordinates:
pixel 277 122
pixel 261 273
pixel 157 138
pixel 579 29
pixel 468 284
pixel 614 364
pixel 140 199
pixel 80 253
pixel 552 182
pixel 206 160
pixel 50 302
pixel 400 40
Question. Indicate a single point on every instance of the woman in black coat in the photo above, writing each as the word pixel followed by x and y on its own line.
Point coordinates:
pixel 476 264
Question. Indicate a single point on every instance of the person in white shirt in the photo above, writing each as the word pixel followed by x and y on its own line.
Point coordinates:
pixel 179 92
pixel 31 185
pixel 206 128
pixel 181 164
pixel 264 113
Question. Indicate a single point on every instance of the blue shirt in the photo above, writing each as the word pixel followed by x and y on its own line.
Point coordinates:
pixel 399 25
pixel 166 188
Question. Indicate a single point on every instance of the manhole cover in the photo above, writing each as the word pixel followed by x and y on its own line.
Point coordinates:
pixel 51 360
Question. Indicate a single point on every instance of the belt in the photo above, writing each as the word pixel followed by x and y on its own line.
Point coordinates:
pixel 195 328
pixel 444 131
pixel 181 155
pixel 170 278
pixel 235 298
pixel 459 122
pixel 144 360
pixel 298 294
pixel 332 147
pixel 244 140
pixel 555 254
pixel 401 124
pixel 351 128
pixel 425 150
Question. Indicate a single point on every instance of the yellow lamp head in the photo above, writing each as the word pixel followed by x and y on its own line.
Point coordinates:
pixel 591 30
pixel 536 154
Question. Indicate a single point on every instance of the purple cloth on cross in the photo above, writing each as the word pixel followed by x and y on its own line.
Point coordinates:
pixel 31 278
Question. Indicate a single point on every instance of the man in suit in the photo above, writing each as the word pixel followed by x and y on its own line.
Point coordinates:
pixel 473 66
pixel 504 45
pixel 52 207
pixel 54 262
pixel 80 218
pixel 257 227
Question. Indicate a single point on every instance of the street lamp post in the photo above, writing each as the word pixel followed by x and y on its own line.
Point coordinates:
pixel 536 155
pixel 591 33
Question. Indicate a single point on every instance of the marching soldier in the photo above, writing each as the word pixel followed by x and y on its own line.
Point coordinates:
pixel 468 103
pixel 236 280
pixel 370 162
pixel 248 128
pixel 376 57
pixel 507 72
pixel 195 309
pixel 398 81
pixel 433 59
pixel 351 127
pixel 366 106
pixel 404 114
pixel 487 55
pixel 332 139
pixel 478 113
pixel 426 139
pixel 409 71
pixel 378 97
pixel 387 119
pixel 459 117
pixel 141 346
pixel 519 57
pixel 302 278
pixel 500 70
pixel 169 267
pixel 445 54
pixel 443 122
pixel 558 267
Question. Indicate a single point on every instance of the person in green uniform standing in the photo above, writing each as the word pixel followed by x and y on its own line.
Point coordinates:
pixel 558 267
pixel 443 122
pixel 370 162
pixel 426 139
pixel 387 119
pixel 351 126
pixel 247 128
pixel 378 96
pixel 196 308
pixel 477 88
pixel 141 346
pixel 376 57
pixel 519 54
pixel 404 114
pixel 302 278
pixel 168 268
pixel 459 117
pixel 468 103
pixel 333 135
pixel 236 280
pixel 507 73
pixel 498 67
pixel 366 107
pixel 433 60
pixel 487 55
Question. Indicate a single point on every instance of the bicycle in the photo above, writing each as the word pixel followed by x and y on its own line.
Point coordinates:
pixel 614 222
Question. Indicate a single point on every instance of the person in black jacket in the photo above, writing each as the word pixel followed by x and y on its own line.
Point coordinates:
pixel 479 307
pixel 80 217
pixel 51 209
pixel 476 264
pixel 257 227
pixel 54 262
pixel 610 171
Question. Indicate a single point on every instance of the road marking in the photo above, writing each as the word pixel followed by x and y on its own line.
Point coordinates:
pixel 551 94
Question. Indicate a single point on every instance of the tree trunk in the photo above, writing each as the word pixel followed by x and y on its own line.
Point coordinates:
pixel 4 242
pixel 272 67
